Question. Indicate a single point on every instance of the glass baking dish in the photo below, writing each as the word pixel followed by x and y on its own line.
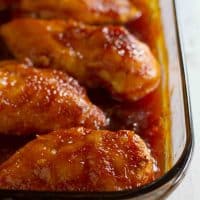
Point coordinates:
pixel 181 130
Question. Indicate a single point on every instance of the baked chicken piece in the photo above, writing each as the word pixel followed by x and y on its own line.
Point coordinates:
pixel 88 11
pixel 80 159
pixel 107 56
pixel 42 100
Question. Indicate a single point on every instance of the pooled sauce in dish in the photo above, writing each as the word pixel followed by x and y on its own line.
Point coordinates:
pixel 145 116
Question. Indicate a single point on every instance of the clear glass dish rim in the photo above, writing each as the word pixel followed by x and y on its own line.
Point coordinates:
pixel 176 173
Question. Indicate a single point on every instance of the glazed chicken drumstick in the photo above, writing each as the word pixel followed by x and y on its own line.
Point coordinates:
pixel 88 11
pixel 80 159
pixel 107 56
pixel 41 100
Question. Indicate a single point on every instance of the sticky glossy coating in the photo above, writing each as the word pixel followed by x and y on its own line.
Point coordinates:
pixel 88 11
pixel 80 159
pixel 107 56
pixel 35 100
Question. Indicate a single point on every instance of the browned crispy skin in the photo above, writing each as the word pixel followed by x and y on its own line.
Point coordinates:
pixel 88 11
pixel 107 56
pixel 41 100
pixel 80 159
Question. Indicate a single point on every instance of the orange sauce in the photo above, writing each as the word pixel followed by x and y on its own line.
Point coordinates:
pixel 148 28
pixel 149 117
pixel 145 116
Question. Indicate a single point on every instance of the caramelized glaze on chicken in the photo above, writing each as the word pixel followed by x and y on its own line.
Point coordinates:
pixel 88 11
pixel 107 56
pixel 36 100
pixel 80 159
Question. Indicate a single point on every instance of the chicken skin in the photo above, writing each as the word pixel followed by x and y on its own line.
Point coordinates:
pixel 42 100
pixel 80 159
pixel 107 56
pixel 88 11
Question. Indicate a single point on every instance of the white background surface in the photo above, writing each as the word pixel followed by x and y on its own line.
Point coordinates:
pixel 190 19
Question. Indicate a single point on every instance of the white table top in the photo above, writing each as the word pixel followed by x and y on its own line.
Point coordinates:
pixel 190 19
